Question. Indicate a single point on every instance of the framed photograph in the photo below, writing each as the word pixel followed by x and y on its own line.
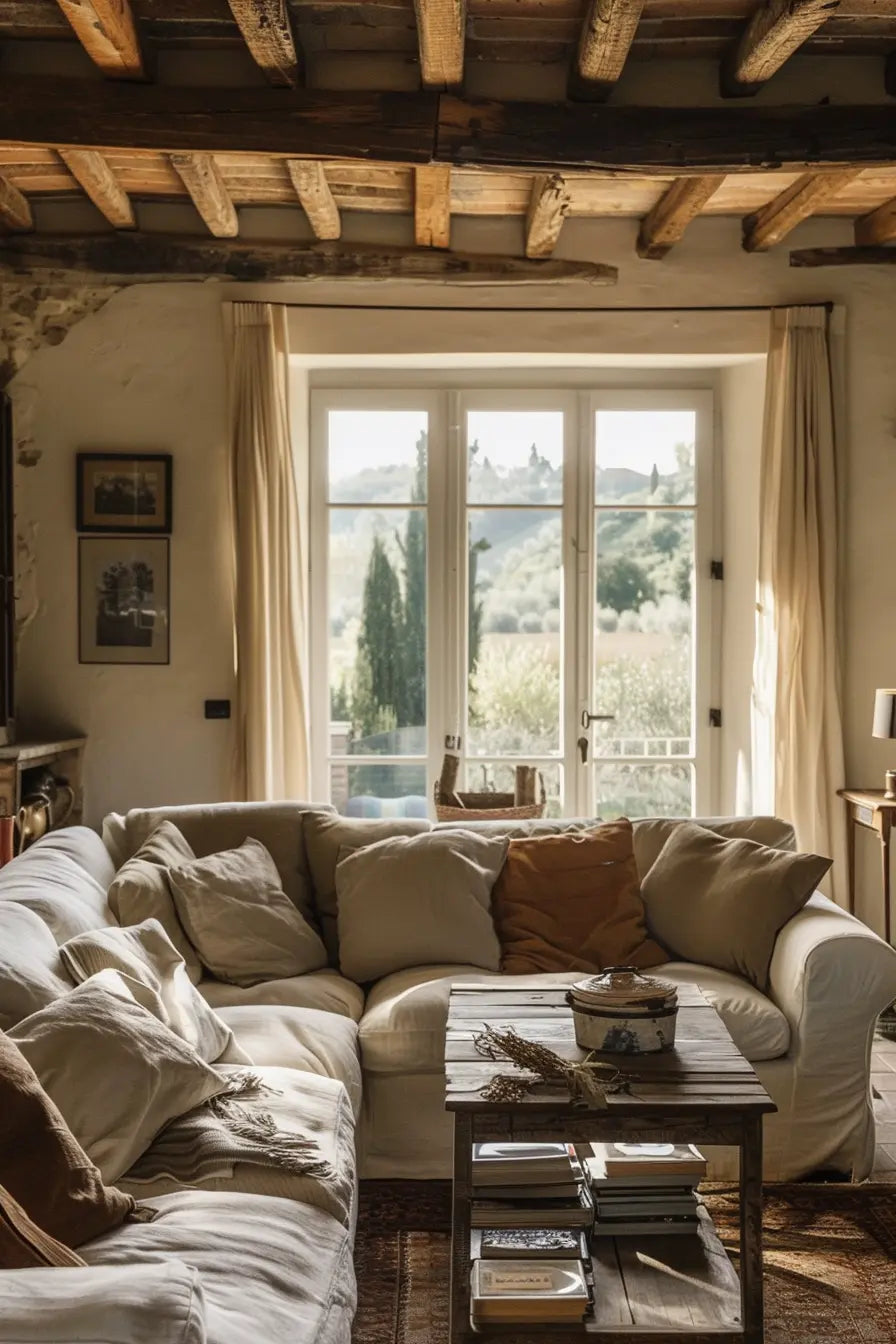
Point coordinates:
pixel 123 589
pixel 120 492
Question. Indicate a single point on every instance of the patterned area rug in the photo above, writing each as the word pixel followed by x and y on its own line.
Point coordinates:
pixel 829 1271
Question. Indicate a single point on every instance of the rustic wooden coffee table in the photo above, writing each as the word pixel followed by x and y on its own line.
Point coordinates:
pixel 646 1289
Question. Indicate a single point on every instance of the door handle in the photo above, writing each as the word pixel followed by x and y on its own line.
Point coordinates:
pixel 588 719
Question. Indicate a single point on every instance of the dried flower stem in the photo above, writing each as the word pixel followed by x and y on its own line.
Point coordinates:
pixel 588 1082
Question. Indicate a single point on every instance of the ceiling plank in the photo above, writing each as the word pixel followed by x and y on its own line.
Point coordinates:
pixel 679 205
pixel 805 197
pixel 776 30
pixel 202 179
pixel 432 205
pixel 152 256
pixel 844 256
pixel 15 212
pixel 268 33
pixel 107 31
pixel 608 31
pixel 309 178
pixel 93 174
pixel 549 205
pixel 877 227
pixel 440 37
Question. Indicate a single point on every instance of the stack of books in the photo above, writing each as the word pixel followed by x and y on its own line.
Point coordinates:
pixel 645 1188
pixel 521 1292
pixel 529 1185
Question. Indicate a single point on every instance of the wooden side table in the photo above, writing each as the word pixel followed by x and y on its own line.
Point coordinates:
pixel 871 810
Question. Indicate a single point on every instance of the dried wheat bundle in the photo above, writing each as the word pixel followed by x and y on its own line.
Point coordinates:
pixel 588 1082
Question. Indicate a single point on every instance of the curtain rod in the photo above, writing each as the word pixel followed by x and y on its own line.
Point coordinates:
pixel 828 307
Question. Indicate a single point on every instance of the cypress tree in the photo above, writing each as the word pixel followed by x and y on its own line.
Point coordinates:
pixel 378 670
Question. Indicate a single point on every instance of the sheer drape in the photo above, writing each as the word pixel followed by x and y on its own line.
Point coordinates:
pixel 798 735
pixel 272 732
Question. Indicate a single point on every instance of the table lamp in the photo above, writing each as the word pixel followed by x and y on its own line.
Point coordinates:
pixel 885 726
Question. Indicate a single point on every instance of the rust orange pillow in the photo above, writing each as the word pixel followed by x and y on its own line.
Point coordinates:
pixel 572 902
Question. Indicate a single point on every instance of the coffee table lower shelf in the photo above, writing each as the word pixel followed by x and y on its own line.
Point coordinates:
pixel 655 1288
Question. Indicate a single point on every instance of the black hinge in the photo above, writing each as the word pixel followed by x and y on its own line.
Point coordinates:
pixel 715 718
pixel 716 569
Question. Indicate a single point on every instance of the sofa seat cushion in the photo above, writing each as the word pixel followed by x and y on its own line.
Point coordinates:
pixel 403 1027
pixel 327 990
pixel 305 1039
pixel 269 1269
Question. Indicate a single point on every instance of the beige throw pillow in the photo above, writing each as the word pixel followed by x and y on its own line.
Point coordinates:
pixel 141 890
pixel 238 918
pixel 723 902
pixel 146 953
pixel 418 900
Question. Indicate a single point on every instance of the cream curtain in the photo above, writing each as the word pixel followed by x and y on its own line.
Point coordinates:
pixel 271 625
pixel 798 735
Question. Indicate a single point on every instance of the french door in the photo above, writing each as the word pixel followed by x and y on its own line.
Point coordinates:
pixel 528 570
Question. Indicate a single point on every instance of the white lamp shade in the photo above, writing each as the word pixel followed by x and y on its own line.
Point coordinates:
pixel 884 714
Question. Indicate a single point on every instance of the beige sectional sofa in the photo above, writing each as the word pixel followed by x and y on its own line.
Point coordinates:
pixel 809 1039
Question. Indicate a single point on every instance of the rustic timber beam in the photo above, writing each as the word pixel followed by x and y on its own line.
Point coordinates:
pixel 877 227
pixel 679 205
pixel 797 202
pixel 202 178
pixel 313 190
pixel 15 212
pixel 608 31
pixel 844 256
pixel 776 30
pixel 107 31
pixel 93 174
pixel 440 37
pixel 890 75
pixel 432 205
pixel 268 33
pixel 135 257
pixel 549 205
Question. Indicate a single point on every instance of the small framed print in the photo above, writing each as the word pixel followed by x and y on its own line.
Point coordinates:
pixel 123 592
pixel 122 492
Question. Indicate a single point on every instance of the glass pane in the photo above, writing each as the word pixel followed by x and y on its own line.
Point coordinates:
pixel 377 457
pixel 377 628
pixel 379 790
pixel 515 635
pixel 644 624
pixel 515 457
pixel 644 790
pixel 645 457
pixel 498 776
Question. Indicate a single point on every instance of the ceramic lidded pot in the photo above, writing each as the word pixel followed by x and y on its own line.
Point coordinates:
pixel 623 1012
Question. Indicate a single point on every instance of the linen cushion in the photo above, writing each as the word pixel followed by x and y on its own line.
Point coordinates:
pixel 326 989
pixel 141 889
pixel 651 833
pixel 416 899
pixel 42 1165
pixel 146 953
pixel 116 1073
pixel 31 970
pixel 56 881
pixel 723 902
pixel 572 903
pixel 326 834
pixel 240 921
pixel 756 1025
pixel 304 1039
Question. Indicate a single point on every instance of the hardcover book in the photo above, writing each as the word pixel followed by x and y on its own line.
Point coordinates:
pixel 528 1243
pixel 518 1290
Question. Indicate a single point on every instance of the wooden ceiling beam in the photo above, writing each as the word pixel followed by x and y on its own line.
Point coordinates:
pixel 890 75
pixel 877 227
pixel 440 37
pixel 151 256
pixel 15 212
pixel 608 31
pixel 93 174
pixel 432 205
pixel 107 31
pixel 268 33
pixel 776 30
pixel 678 206
pixel 309 178
pixel 549 205
pixel 797 202
pixel 842 256
pixel 202 179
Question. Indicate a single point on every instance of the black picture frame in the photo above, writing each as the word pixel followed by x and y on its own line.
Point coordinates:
pixel 124 493
pixel 133 626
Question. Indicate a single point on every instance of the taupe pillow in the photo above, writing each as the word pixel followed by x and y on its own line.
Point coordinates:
pixel 141 889
pixel 723 902
pixel 418 900
pixel 240 921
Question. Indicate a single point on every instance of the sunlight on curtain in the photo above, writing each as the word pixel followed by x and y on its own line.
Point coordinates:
pixel 272 730
pixel 798 734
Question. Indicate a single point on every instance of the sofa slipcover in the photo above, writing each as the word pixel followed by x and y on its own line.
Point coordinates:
pixel 306 1039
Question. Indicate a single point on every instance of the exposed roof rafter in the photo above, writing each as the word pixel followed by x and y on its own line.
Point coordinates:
pixel 549 205
pixel 777 29
pixel 879 226
pixel 776 220
pixel 440 35
pixel 92 173
pixel 432 205
pixel 268 33
pixel 309 178
pixel 608 30
pixel 15 212
pixel 677 207
pixel 202 179
pixel 107 31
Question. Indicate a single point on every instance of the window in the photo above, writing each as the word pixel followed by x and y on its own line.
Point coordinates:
pixel 527 569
